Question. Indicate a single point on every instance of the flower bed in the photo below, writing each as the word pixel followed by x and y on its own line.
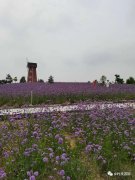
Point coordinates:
pixel 62 145
pixel 58 93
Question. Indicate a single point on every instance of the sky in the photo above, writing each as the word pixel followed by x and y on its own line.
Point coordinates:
pixel 72 40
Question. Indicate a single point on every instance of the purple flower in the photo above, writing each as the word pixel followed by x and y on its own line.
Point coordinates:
pixel 57 158
pixel 51 155
pixel 36 173
pixel 60 140
pixel 29 173
pixel 35 146
pixel 63 156
pixel 32 175
pixel 50 149
pixel 6 154
pixel 88 148
pixel 32 178
pixel 57 136
pixel 26 153
pixel 35 133
pixel 61 172
pixel 2 174
pixel 45 159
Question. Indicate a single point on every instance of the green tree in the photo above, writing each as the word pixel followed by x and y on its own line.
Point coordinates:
pixel 9 78
pixel 3 81
pixel 50 79
pixel 22 80
pixel 118 80
pixel 40 80
pixel 130 80
pixel 15 79
pixel 103 79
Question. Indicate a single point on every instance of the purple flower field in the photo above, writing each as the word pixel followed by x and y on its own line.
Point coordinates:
pixel 95 144
pixel 79 145
pixel 43 93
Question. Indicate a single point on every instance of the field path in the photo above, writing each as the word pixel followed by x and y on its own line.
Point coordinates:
pixel 52 108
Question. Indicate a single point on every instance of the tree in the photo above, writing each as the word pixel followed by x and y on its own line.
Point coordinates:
pixel 130 80
pixel 50 79
pixel 40 80
pixel 9 78
pixel 103 79
pixel 15 79
pixel 3 81
pixel 118 79
pixel 22 80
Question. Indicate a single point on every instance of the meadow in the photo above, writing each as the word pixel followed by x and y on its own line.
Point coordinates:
pixel 19 94
pixel 78 145
pixel 68 145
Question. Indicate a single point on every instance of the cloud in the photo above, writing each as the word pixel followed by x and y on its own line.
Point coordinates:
pixel 98 59
pixel 68 38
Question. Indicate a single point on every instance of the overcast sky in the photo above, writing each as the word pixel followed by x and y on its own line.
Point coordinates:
pixel 72 40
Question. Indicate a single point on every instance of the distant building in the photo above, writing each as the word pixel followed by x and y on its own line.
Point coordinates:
pixel 32 74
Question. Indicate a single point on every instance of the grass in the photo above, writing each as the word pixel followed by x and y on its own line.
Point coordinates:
pixel 20 101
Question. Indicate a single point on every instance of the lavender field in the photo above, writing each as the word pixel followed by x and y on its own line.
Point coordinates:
pixel 18 94
pixel 78 145
pixel 64 145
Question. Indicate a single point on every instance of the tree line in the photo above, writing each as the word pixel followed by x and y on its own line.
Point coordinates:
pixel 9 79
pixel 103 80
pixel 118 80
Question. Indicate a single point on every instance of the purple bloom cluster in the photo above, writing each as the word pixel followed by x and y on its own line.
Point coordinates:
pixel 2 174
pixel 32 175
pixel 93 148
pixel 63 89
pixel 60 145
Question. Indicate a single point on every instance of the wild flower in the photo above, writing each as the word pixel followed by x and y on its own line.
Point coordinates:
pixel 60 140
pixel 57 158
pixel 50 149
pixel 51 155
pixel 2 174
pixel 61 172
pixel 45 159
pixel 32 175
pixel 88 148
pixel 57 136
pixel 35 133
pixel 6 154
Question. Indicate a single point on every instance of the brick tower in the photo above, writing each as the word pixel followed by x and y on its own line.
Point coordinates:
pixel 32 74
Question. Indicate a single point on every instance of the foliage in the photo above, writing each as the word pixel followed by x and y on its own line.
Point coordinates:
pixel 103 79
pixel 40 80
pixel 9 78
pixel 118 79
pixel 50 79
pixel 130 80
pixel 15 79
pixel 3 81
pixel 22 80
